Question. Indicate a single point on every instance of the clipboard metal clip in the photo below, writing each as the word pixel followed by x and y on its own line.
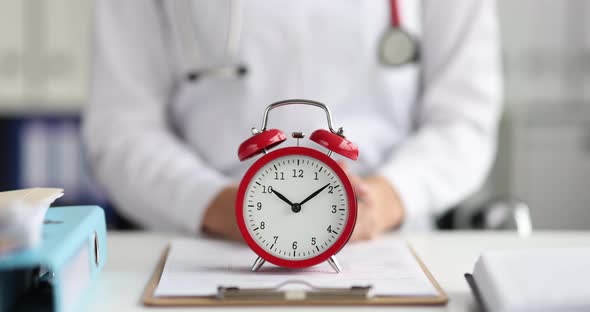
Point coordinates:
pixel 309 292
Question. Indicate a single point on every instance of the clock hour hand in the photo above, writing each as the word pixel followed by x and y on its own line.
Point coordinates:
pixel 314 194
pixel 282 197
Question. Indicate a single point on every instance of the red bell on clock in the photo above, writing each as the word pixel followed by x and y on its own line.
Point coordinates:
pixel 260 142
pixel 336 143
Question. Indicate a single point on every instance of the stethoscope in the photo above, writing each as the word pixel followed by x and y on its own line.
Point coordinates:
pixel 396 47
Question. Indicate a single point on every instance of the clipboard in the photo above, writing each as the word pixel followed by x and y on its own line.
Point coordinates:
pixel 313 296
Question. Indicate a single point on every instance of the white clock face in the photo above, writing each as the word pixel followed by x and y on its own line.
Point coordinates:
pixel 295 207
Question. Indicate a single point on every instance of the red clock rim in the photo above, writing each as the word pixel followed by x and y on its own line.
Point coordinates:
pixel 352 207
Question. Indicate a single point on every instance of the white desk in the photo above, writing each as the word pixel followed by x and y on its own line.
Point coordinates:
pixel 133 256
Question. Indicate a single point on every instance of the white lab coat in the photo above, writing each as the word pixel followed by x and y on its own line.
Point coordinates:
pixel 164 147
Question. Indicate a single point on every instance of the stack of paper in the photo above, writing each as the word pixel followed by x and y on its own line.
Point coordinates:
pixel 21 216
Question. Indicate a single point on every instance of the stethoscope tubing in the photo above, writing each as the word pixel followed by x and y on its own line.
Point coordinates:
pixel 182 27
pixel 394 14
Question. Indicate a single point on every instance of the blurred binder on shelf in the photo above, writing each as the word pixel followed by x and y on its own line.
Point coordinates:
pixel 58 273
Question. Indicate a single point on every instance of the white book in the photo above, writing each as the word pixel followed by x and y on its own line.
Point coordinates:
pixel 555 279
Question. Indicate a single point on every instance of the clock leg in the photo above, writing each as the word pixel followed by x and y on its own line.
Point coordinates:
pixel 334 264
pixel 257 264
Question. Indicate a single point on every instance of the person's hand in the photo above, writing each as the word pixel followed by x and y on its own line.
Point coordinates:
pixel 379 206
pixel 379 209
pixel 220 217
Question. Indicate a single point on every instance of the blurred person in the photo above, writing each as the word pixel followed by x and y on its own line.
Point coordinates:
pixel 164 144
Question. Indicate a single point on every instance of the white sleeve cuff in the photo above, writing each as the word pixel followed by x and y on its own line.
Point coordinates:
pixel 194 201
pixel 407 183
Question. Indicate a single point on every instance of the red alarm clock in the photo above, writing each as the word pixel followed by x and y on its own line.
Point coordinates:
pixel 295 205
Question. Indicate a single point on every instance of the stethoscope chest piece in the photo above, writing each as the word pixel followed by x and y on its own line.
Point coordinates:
pixel 397 47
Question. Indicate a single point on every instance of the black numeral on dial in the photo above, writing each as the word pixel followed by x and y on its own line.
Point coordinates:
pixel 297 173
pixel 294 245
pixel 279 175
pixel 266 190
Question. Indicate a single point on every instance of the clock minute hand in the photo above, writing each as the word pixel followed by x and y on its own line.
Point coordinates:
pixel 282 197
pixel 314 194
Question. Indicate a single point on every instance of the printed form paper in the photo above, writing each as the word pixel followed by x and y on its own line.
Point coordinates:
pixel 197 267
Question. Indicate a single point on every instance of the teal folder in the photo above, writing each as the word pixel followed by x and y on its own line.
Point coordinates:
pixel 58 274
